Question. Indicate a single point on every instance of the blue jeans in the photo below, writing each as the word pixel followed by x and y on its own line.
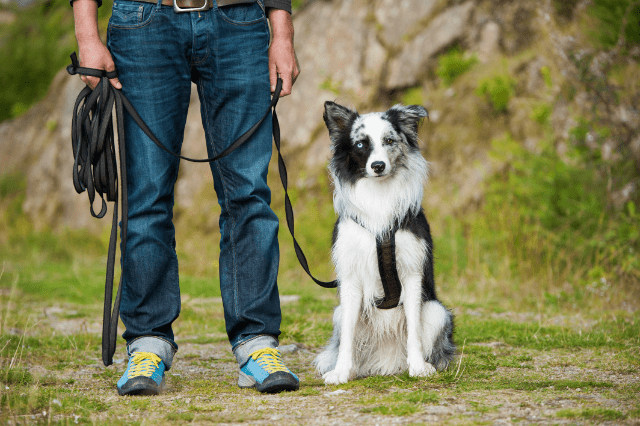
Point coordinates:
pixel 158 54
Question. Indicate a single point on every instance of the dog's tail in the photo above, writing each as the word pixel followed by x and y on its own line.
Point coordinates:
pixel 439 321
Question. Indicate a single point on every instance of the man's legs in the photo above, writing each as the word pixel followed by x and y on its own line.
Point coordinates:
pixel 233 84
pixel 147 45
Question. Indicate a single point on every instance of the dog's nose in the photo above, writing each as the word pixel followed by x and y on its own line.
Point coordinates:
pixel 378 166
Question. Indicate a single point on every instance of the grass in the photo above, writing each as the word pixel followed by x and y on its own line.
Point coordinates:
pixel 535 363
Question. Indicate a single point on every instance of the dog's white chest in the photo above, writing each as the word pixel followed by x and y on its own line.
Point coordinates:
pixel 356 260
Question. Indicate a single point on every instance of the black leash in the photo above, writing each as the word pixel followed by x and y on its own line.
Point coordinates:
pixel 95 170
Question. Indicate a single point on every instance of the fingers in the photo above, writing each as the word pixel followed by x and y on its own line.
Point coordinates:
pixel 273 75
pixel 90 81
pixel 114 81
pixel 95 55
pixel 283 63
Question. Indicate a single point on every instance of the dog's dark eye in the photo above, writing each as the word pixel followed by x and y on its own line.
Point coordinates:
pixel 388 140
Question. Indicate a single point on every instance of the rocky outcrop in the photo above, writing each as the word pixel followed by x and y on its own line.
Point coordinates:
pixel 345 49
pixel 361 53
pixel 444 30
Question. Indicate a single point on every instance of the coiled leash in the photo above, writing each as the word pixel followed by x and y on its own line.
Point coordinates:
pixel 95 170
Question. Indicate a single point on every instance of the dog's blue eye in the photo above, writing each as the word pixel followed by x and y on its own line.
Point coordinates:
pixel 359 145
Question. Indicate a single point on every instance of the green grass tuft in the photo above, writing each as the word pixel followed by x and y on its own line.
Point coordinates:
pixel 453 64
pixel 497 90
pixel 592 413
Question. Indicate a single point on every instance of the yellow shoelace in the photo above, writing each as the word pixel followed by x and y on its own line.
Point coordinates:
pixel 269 359
pixel 143 364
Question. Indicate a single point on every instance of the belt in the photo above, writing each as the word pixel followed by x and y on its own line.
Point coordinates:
pixel 195 5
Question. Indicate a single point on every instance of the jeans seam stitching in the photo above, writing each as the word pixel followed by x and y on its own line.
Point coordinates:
pixel 226 201
pixel 139 25
pixel 206 53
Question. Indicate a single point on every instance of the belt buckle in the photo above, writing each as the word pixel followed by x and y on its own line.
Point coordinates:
pixel 179 9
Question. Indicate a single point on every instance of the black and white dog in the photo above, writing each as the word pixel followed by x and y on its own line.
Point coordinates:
pixel 378 173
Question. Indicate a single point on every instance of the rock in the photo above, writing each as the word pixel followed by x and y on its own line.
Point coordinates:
pixel 400 17
pixel 489 41
pixel 336 392
pixel 7 17
pixel 375 57
pixel 634 146
pixel 444 30
pixel 620 198
pixel 331 57
pixel 288 349
pixel 38 143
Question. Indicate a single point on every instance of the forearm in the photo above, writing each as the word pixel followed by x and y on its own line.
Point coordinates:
pixel 281 24
pixel 93 53
pixel 85 14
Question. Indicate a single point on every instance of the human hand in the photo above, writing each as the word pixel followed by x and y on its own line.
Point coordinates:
pixel 283 62
pixel 94 54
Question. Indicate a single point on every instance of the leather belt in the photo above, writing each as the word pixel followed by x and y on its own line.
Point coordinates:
pixel 195 5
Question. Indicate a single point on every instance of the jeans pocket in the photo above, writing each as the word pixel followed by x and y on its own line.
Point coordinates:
pixel 243 13
pixel 131 14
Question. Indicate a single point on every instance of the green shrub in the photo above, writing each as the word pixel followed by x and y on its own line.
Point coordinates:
pixel 546 75
pixel 547 214
pixel 497 90
pixel 34 48
pixel 611 14
pixel 413 96
pixel 453 64
pixel 541 113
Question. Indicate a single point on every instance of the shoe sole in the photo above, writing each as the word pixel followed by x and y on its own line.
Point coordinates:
pixel 277 388
pixel 278 382
pixel 141 386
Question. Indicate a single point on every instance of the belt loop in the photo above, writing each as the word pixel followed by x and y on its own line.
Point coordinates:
pixel 214 5
pixel 159 5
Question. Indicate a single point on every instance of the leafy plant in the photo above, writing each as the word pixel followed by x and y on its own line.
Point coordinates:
pixel 497 90
pixel 453 64
pixel 612 15
pixel 541 113
pixel 34 48
pixel 556 215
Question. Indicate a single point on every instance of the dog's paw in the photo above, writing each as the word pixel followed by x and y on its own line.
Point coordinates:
pixel 336 377
pixel 422 369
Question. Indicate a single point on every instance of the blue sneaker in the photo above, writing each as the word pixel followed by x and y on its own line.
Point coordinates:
pixel 144 375
pixel 266 372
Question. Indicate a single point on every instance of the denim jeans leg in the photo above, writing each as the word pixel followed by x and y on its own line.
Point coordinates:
pixel 147 47
pixel 233 85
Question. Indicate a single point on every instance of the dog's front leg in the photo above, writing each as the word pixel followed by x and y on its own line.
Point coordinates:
pixel 413 312
pixel 350 303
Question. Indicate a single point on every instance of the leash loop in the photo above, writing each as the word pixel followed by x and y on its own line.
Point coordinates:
pixel 95 171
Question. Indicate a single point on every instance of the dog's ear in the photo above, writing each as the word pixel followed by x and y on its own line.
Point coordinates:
pixel 407 117
pixel 337 118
